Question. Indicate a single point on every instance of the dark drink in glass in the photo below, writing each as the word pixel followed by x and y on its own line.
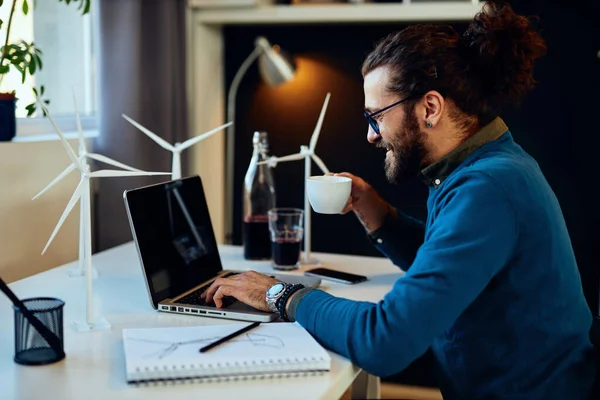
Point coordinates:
pixel 286 253
pixel 257 243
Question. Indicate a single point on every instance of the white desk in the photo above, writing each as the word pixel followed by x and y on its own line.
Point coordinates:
pixel 94 367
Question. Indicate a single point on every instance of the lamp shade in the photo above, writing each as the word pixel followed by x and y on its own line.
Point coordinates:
pixel 275 66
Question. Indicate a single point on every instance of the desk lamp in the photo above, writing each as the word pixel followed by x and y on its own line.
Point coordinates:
pixel 275 68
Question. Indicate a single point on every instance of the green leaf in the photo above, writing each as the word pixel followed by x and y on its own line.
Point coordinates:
pixel 35 91
pixel 25 7
pixel 1 22
pixel 4 69
pixel 22 71
pixel 30 109
pixel 39 61
pixel 42 88
pixel 32 68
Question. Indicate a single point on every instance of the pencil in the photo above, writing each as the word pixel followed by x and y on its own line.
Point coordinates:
pixel 230 336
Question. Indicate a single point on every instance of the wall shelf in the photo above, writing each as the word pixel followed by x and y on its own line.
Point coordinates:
pixel 339 13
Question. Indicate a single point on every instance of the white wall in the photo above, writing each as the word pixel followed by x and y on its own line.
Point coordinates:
pixel 26 225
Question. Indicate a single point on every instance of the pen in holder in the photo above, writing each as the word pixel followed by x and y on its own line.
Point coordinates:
pixel 38 329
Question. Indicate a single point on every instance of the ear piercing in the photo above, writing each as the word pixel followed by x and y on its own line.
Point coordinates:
pixel 429 124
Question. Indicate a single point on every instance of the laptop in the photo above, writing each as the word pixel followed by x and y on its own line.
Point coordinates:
pixel 178 252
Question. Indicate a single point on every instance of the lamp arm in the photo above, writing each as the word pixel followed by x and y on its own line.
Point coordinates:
pixel 229 170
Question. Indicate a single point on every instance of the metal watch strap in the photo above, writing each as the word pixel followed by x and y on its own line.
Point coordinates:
pixel 283 299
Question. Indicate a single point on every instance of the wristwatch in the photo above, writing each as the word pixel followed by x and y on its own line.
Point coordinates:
pixel 278 295
pixel 273 294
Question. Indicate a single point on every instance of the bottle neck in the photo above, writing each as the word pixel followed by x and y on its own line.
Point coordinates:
pixel 262 151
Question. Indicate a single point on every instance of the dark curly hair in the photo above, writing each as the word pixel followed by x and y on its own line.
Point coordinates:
pixel 483 71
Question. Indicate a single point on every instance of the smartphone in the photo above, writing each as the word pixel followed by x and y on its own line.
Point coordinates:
pixel 337 276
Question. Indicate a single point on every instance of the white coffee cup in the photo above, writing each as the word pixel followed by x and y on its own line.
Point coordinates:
pixel 328 194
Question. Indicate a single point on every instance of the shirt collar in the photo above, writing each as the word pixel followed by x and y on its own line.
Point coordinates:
pixel 436 173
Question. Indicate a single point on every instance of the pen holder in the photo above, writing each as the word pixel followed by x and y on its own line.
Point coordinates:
pixel 30 347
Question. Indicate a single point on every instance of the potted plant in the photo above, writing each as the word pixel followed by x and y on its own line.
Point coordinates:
pixel 24 57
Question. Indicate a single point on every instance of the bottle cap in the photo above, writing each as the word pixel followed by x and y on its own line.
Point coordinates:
pixel 261 138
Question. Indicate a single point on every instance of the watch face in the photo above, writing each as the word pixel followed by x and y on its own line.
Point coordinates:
pixel 275 289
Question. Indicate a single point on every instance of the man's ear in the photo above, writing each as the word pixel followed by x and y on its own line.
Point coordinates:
pixel 433 107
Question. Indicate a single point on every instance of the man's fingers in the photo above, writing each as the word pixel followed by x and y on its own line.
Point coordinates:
pixel 348 206
pixel 223 291
pixel 209 293
pixel 346 174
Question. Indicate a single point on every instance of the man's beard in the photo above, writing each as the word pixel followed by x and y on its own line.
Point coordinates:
pixel 406 151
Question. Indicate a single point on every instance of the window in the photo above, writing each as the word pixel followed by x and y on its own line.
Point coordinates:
pixel 66 40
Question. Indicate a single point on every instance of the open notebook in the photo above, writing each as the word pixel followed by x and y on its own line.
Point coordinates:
pixel 269 350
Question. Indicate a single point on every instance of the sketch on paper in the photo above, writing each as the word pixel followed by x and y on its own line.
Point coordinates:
pixel 166 348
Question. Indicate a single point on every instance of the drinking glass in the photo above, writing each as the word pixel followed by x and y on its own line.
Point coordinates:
pixel 286 230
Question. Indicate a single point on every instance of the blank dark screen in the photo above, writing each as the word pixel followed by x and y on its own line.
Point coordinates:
pixel 174 235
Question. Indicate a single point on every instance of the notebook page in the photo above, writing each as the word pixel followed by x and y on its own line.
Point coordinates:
pixel 174 351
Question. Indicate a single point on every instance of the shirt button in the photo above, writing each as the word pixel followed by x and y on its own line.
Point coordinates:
pixel 437 181
pixel 379 240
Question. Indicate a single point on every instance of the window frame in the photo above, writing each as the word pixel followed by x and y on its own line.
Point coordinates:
pixel 30 127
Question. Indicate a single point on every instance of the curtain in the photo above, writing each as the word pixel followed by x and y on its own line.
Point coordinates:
pixel 141 73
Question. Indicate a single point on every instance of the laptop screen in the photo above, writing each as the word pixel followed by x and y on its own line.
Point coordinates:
pixel 175 238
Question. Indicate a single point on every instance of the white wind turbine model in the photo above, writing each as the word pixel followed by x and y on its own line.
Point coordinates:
pixel 177 148
pixel 83 157
pixel 82 194
pixel 307 153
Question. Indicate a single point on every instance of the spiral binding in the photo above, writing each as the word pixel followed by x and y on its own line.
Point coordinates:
pixel 229 371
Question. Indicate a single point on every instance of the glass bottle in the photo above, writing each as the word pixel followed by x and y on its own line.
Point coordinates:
pixel 259 198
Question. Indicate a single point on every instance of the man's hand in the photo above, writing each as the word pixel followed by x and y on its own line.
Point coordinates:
pixel 249 288
pixel 370 208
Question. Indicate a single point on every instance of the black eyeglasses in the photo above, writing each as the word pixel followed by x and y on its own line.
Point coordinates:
pixel 373 122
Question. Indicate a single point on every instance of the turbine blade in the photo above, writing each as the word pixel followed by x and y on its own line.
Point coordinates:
pixel 194 140
pixel 63 140
pixel 315 136
pixel 110 161
pixel 82 146
pixel 74 198
pixel 161 142
pixel 291 157
pixel 65 172
pixel 105 173
pixel 320 163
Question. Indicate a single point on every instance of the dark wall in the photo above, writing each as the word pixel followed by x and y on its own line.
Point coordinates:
pixel 329 60
pixel 556 124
